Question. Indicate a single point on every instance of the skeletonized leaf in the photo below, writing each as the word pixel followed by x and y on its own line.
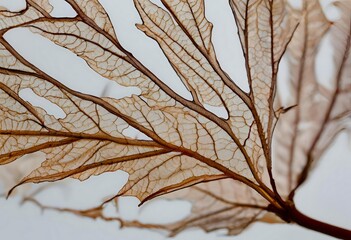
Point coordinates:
pixel 339 111
pixel 265 28
pixel 128 75
pixel 216 205
pixel 297 128
pixel 220 204
pixel 43 6
pixel 320 113
pixel 190 15
pixel 93 10
pixel 187 60
pixel 222 165
pixel 192 62
pixel 187 144
pixel 342 32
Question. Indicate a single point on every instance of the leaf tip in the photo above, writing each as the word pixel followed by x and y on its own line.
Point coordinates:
pixel 12 189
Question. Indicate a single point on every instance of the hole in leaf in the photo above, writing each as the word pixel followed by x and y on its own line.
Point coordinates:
pixel 62 9
pixel 219 111
pixel 13 5
pixel 51 108
pixel 331 11
pixel 283 83
pixel 226 41
pixel 116 91
pixel 325 66
pixel 144 48
pixel 295 3
pixel 64 65
pixel 134 133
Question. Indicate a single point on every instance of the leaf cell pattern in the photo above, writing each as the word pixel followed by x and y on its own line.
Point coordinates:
pixel 224 166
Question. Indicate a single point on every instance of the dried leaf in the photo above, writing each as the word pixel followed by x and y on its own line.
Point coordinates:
pixel 187 145
pixel 265 29
pixel 341 110
pixel 200 74
pixel 297 128
pixel 220 204
pixel 224 166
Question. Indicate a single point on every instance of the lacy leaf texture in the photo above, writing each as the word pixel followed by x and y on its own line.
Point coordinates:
pixel 225 166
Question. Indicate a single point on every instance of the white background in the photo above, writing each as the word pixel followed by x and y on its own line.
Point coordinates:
pixel 325 196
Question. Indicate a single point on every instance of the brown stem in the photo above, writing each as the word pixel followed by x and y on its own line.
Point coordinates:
pixel 322 227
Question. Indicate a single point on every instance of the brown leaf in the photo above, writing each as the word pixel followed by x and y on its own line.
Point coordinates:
pixel 341 110
pixel 297 128
pixel 222 165
pixel 265 28
pixel 93 11
pixel 220 204
pixel 187 145
pixel 190 15
pixel 320 113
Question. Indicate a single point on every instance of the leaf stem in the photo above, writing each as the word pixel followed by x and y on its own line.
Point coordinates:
pixel 316 225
